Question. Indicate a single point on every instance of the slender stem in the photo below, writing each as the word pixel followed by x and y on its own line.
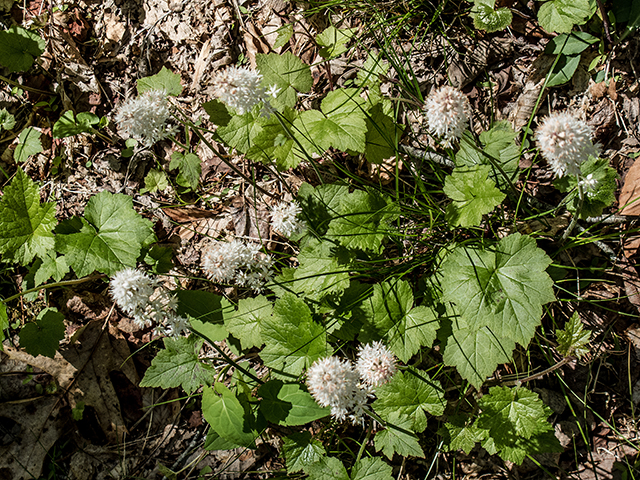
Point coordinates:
pixel 54 285
pixel 574 219
pixel 24 87
pixel 547 371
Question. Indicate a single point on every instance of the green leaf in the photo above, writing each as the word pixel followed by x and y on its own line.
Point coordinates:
pixel 28 144
pixel 42 336
pixel 156 180
pixel 412 394
pixel 473 195
pixel 458 436
pixel 206 311
pixel 503 288
pixel 516 420
pixel 19 47
pixel 242 130
pixel 371 469
pixel 289 404
pixel 69 124
pixel 226 415
pixel 300 451
pixel 334 41
pixel 476 353
pixel 372 70
pixel 324 269
pixel 52 267
pixel 486 17
pixel 596 198
pixel 321 204
pixel 7 121
pixel 573 339
pixel 25 225
pixel 317 132
pixel 288 73
pixel 216 442
pixel 572 44
pixel 189 166
pixel 382 136
pixel 218 112
pixel 4 323
pixel 398 438
pixel 405 328
pixel 364 221
pixel 284 35
pixel 274 142
pixel 178 365
pixel 327 468
pixel 293 340
pixel 563 70
pixel 245 323
pixel 561 15
pixel 159 259
pixel 110 239
pixel 165 80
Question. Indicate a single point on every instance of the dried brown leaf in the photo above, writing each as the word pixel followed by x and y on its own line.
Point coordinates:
pixel 629 198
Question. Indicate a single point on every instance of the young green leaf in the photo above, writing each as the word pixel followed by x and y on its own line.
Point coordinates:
pixel 165 80
pixel 293 340
pixel 487 17
pixel 110 237
pixel 372 70
pixel 573 339
pixel 7 121
pixel 473 195
pixel 25 225
pixel 69 124
pixel 19 47
pixel 284 35
pixel 371 469
pixel 159 259
pixel 244 324
pixel 156 180
pixel 561 15
pixel 503 288
pixel 28 144
pixel 226 415
pixel 327 468
pixel 301 451
pixel 289 404
pixel 178 365
pixel 398 438
pixel 410 393
pixel 52 267
pixel 189 167
pixel 42 336
pixel 288 73
pixel 334 41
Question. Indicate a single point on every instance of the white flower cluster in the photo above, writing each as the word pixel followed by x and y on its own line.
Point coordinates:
pixel 447 111
pixel 346 388
pixel 148 302
pixel 565 142
pixel 284 219
pixel 376 364
pixel 144 117
pixel 589 184
pixel 238 263
pixel 240 88
pixel 335 383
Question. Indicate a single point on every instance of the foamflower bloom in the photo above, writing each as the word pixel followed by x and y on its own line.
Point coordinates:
pixel 565 142
pixel 334 383
pixel 144 117
pixel 239 263
pixel 284 219
pixel 376 364
pixel 447 110
pixel 240 88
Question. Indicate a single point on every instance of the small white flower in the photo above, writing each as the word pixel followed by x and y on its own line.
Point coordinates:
pixel 240 88
pixel 589 184
pixel 565 142
pixel 447 111
pixel 144 117
pixel 174 325
pixel 284 219
pixel 273 91
pixel 376 364
pixel 132 290
pixel 334 383
pixel 238 263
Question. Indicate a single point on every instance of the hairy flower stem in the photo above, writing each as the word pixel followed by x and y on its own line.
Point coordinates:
pixel 53 285
pixel 574 219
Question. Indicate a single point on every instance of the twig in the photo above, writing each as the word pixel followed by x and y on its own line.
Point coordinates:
pixel 536 376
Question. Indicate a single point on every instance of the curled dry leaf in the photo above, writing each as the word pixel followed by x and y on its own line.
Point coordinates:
pixel 629 198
